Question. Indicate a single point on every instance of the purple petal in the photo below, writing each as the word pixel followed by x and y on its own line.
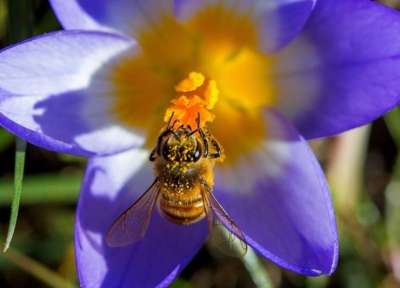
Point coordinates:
pixel 121 16
pixel 279 198
pixel 111 184
pixel 49 92
pixel 343 70
pixel 280 20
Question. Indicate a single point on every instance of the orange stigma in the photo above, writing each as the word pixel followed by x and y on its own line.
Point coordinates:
pixel 196 97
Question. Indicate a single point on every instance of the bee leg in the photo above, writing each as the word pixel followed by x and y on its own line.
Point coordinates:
pixel 162 135
pixel 205 142
pixel 208 211
pixel 217 147
pixel 153 156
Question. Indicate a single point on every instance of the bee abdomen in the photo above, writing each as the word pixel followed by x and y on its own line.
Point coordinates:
pixel 183 210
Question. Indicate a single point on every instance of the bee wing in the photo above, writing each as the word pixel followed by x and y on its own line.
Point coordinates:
pixel 132 224
pixel 212 204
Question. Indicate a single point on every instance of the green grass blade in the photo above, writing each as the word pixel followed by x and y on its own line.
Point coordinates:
pixel 20 20
pixel 18 178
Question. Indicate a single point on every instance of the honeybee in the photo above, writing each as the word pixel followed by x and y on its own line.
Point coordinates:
pixel 184 162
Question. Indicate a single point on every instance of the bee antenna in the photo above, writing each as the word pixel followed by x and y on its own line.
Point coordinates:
pixel 198 120
pixel 169 121
pixel 173 124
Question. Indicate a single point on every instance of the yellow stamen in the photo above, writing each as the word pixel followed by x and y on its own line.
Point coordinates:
pixel 191 83
pixel 211 94
pixel 196 97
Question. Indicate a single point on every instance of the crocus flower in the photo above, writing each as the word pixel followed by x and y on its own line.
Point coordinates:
pixel 286 72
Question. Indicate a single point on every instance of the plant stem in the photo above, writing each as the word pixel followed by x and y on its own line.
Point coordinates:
pixel 36 269
pixel 252 263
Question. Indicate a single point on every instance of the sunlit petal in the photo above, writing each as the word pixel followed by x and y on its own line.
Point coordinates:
pixel 279 197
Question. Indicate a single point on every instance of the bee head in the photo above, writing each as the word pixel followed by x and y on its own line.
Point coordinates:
pixel 181 146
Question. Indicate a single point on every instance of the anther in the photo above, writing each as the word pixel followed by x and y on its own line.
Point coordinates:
pixel 196 96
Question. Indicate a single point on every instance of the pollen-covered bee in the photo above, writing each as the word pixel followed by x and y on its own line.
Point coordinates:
pixel 184 160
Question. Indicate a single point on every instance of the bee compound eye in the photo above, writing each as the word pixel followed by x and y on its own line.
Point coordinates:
pixel 166 152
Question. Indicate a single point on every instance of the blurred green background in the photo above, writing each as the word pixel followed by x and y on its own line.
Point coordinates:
pixel 363 167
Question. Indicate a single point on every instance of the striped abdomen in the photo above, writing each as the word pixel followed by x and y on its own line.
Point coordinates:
pixel 186 207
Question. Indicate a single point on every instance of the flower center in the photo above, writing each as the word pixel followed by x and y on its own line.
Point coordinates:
pixel 196 97
pixel 229 87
